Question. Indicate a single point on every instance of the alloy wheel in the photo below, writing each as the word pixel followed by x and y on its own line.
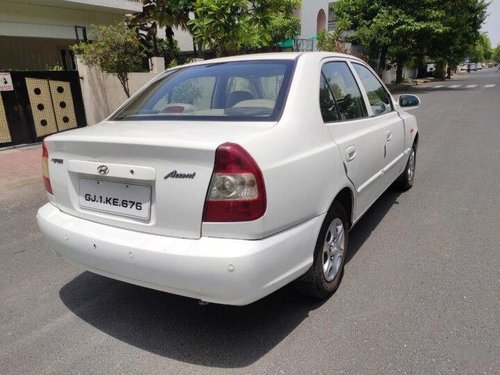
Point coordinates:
pixel 333 249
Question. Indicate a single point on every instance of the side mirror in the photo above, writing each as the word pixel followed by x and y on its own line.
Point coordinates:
pixel 409 101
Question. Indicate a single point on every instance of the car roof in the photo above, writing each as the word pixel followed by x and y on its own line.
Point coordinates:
pixel 274 56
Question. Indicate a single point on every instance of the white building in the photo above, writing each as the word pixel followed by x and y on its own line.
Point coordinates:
pixel 36 34
pixel 313 17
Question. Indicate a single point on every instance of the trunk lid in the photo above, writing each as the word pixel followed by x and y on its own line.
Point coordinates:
pixel 106 172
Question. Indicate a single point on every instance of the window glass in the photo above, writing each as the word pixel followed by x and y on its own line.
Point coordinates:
pixel 377 95
pixel 238 90
pixel 239 84
pixel 197 92
pixel 327 103
pixel 192 93
pixel 246 90
pixel 345 90
pixel 271 85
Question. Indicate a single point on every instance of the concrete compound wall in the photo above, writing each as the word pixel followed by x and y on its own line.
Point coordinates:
pixel 102 92
pixel 389 76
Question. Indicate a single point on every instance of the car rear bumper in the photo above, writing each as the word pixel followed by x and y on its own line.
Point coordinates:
pixel 226 271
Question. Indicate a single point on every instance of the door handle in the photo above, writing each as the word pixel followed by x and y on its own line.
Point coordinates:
pixel 388 136
pixel 350 152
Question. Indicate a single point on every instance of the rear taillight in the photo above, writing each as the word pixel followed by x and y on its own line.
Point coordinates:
pixel 45 169
pixel 237 191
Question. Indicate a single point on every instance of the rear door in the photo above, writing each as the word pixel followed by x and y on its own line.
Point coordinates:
pixel 359 138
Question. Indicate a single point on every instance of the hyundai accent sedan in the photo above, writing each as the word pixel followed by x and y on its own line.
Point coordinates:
pixel 225 180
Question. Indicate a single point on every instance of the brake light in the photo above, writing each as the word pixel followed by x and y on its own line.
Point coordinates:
pixel 237 191
pixel 45 169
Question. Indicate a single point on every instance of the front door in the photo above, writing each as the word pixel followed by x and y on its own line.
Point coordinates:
pixel 386 116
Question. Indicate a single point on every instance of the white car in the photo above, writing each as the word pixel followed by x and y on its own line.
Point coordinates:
pixel 225 180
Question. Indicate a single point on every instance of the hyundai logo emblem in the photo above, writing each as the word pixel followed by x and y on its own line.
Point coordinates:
pixel 102 170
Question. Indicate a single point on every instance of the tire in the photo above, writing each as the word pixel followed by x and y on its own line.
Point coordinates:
pixel 405 180
pixel 325 274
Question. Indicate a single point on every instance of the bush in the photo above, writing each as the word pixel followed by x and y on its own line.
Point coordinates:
pixel 114 49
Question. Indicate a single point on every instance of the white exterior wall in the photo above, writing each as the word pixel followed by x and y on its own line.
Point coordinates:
pixel 389 76
pixel 309 14
pixel 183 37
pixel 121 6
pixel 102 92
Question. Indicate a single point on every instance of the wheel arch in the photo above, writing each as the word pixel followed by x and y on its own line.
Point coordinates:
pixel 346 198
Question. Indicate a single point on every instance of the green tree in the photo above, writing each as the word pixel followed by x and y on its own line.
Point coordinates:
pixel 231 26
pixel 330 41
pixel 403 30
pixel 461 24
pixel 283 24
pixel 495 56
pixel 113 49
pixel 391 29
pixel 481 51
pixel 162 13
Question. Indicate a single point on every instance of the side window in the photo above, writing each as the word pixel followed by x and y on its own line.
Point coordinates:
pixel 377 95
pixel 329 109
pixel 345 90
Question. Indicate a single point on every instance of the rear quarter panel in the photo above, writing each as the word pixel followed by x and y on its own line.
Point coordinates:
pixel 302 167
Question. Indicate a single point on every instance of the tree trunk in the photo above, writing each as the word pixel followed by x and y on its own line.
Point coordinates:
pixel 439 72
pixel 399 70
pixel 154 36
pixel 123 78
pixel 382 61
pixel 155 46
pixel 169 33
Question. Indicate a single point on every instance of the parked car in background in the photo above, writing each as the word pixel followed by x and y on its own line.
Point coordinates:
pixel 479 66
pixel 225 180
pixel 473 67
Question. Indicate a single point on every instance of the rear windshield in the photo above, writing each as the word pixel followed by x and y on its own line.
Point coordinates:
pixel 232 91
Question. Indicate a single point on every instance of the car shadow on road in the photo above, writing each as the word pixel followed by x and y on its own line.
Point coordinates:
pixel 370 220
pixel 180 328
pixel 210 335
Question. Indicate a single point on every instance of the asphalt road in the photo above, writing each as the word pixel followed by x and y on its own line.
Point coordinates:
pixel 420 294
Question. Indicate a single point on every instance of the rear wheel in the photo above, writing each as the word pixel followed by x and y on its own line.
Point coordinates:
pixel 324 276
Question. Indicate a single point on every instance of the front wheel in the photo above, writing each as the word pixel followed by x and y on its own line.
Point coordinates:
pixel 405 181
pixel 324 276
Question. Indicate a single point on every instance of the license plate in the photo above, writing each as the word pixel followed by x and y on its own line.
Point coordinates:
pixel 116 198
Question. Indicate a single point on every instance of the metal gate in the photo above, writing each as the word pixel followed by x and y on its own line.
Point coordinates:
pixel 41 103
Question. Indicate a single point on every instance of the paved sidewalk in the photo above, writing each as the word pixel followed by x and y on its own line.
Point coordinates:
pixel 19 164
